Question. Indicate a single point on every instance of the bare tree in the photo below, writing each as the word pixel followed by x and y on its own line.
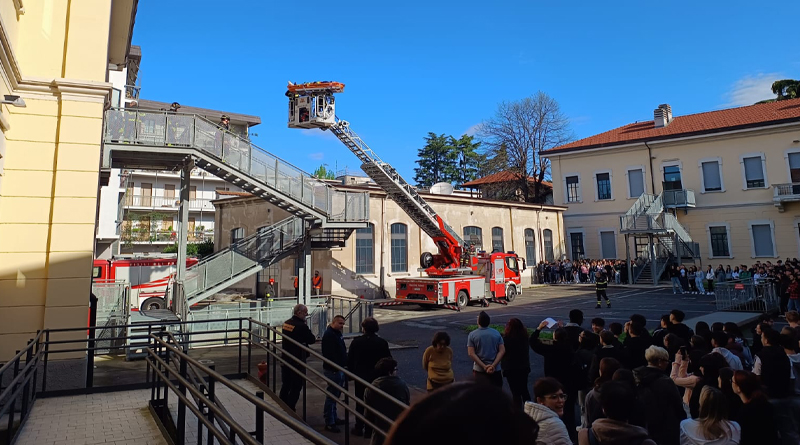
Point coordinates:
pixel 523 129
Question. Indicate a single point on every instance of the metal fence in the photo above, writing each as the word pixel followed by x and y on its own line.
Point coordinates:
pixel 112 314
pixel 746 296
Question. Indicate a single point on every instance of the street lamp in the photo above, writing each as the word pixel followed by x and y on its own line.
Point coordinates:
pixel 16 101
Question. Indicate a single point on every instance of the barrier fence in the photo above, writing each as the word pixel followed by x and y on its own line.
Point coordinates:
pixel 746 296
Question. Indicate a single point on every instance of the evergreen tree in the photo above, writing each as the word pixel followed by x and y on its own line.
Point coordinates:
pixel 469 160
pixel 324 173
pixel 437 160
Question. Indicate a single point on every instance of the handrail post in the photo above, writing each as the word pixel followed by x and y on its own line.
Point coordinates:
pixel 212 399
pixel 46 353
pixel 260 419
pixel 14 400
pixel 240 346
pixel 181 426
pixel 250 345
pixel 27 388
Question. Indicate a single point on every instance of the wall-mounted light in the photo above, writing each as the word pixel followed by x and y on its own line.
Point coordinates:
pixel 16 101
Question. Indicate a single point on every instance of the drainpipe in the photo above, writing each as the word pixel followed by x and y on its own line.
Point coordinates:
pixel 650 160
pixel 383 269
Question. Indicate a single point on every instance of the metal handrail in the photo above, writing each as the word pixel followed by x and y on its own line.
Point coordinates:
pixel 787 189
pixel 290 421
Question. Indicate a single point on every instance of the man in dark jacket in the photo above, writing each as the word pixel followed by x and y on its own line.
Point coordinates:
pixel 574 328
pixel 388 382
pixel 677 327
pixel 334 350
pixel 606 349
pixel 365 352
pixel 295 329
pixel 635 344
pixel 660 397
pixel 560 363
pixel 772 364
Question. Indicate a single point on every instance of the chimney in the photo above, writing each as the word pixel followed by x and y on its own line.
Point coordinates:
pixel 662 115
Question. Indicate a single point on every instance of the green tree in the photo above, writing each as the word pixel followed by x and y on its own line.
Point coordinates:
pixel 469 159
pixel 193 249
pixel 323 173
pixel 437 160
pixel 786 89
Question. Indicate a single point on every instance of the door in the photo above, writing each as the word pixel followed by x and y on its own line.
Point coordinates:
pixel 191 228
pixel 169 194
pixel 794 172
pixel 576 244
pixel 499 272
pixel 147 194
pixel 672 178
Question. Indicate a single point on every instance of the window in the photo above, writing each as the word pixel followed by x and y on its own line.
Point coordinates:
pixel 672 177
pixel 603 186
pixel 236 234
pixel 608 243
pixel 573 189
pixel 530 247
pixel 635 182
pixel 719 241
pixel 712 179
pixel 794 167
pixel 192 192
pixel 169 191
pixel 753 172
pixel 762 240
pixel 365 262
pixel 547 236
pixel 576 244
pixel 497 239
pixel 147 194
pixel 399 245
pixel 97 271
pixel 473 236
pixel 512 264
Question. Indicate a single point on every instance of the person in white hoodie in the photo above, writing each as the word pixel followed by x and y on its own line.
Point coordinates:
pixel 719 341
pixel 547 411
pixel 713 426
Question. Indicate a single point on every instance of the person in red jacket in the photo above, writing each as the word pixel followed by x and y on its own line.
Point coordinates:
pixel 316 283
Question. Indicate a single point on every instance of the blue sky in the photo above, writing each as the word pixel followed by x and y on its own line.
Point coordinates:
pixel 415 67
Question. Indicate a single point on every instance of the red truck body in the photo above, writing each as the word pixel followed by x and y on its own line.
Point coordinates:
pixel 148 277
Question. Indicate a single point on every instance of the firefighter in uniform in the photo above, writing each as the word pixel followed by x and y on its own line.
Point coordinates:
pixel 316 283
pixel 296 289
pixel 296 329
pixel 601 284
pixel 269 293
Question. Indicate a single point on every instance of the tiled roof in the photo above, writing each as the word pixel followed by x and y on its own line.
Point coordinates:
pixel 230 193
pixel 693 124
pixel 504 176
pixel 213 115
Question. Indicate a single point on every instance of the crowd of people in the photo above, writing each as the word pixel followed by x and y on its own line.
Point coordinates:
pixel 584 271
pixel 605 384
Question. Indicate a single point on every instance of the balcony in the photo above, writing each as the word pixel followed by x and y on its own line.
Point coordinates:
pixel 678 199
pixel 146 236
pixel 783 193
pixel 135 202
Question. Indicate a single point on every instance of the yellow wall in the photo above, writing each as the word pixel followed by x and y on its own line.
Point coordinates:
pixel 58 54
pixel 734 205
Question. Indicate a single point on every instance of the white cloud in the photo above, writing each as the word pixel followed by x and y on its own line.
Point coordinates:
pixel 317 156
pixel 752 88
pixel 471 131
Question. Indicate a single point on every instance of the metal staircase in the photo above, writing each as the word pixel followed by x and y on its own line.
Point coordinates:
pixel 672 242
pixel 389 180
pixel 135 138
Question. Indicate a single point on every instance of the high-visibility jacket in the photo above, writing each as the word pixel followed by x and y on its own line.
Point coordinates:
pixel 317 282
pixel 295 282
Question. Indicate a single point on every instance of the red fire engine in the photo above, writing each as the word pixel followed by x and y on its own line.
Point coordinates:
pixel 455 277
pixel 148 277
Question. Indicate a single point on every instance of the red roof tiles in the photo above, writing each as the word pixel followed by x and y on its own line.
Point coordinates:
pixel 693 124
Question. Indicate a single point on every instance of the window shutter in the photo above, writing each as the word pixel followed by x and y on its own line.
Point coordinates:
pixel 762 240
pixel 608 241
pixel 711 177
pixel 636 182
pixel 753 170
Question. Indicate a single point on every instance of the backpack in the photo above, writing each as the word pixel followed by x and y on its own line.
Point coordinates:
pixel 593 439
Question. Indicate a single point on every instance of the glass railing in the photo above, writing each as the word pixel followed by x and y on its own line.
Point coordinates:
pixel 678 198
pixel 176 130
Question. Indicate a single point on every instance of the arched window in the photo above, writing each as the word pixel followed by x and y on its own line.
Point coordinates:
pixel 497 239
pixel 473 236
pixel 530 247
pixel 547 235
pixel 399 245
pixel 365 254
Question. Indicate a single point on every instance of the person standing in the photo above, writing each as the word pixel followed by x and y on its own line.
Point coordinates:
pixel 516 362
pixel 316 283
pixel 437 361
pixel 485 348
pixel 365 352
pixel 713 425
pixel 664 407
pixel 674 276
pixel 618 402
pixel 757 416
pixel 561 363
pixel 334 350
pixel 547 412
pixel 601 284
pixel 295 329
pixel 388 382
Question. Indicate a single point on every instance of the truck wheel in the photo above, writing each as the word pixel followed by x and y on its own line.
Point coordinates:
pixel 426 260
pixel 153 303
pixel 511 293
pixel 463 299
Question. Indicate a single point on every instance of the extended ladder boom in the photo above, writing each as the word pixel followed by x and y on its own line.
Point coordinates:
pixel 406 197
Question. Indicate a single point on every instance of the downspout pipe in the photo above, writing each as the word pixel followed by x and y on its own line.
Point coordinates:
pixel 652 175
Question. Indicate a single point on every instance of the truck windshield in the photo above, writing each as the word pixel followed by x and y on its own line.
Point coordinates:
pixel 511 263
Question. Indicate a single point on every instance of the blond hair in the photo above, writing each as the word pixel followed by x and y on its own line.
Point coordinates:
pixel 713 414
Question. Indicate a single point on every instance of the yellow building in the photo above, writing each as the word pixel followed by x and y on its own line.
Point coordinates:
pixel 711 188
pixel 55 57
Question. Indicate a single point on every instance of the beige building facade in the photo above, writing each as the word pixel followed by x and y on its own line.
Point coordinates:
pixel 390 247
pixel 728 174
pixel 55 57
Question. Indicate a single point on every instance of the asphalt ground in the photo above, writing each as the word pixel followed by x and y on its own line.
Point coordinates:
pixel 413 327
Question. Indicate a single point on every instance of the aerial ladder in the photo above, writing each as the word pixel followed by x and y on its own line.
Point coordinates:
pixel 312 105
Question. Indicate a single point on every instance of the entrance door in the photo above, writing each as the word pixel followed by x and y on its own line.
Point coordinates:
pixel 576 244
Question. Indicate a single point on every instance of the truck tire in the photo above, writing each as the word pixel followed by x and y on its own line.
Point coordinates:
pixel 153 303
pixel 511 294
pixel 462 299
pixel 426 260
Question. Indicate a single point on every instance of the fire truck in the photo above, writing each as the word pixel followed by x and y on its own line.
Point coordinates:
pixel 456 276
pixel 149 277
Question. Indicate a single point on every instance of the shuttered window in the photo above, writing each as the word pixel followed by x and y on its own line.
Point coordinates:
pixel 754 172
pixel 762 240
pixel 711 179
pixel 636 182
